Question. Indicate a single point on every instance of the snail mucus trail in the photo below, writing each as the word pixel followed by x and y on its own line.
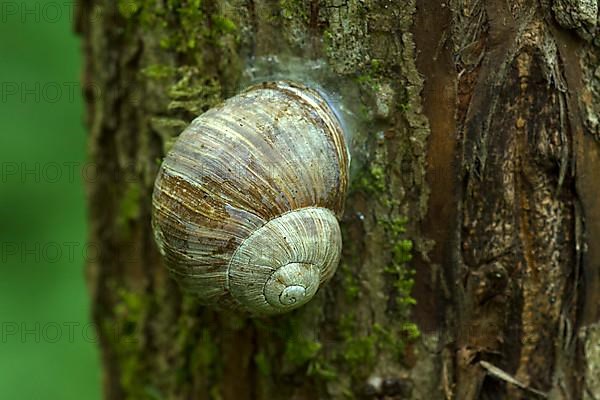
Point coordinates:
pixel 246 203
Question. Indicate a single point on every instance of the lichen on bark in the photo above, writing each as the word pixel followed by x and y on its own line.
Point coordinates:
pixel 579 15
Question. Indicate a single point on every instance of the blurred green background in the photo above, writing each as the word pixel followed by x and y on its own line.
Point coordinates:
pixel 48 346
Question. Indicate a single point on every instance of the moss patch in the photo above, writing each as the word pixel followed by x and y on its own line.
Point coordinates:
pixel 125 333
pixel 294 9
pixel 129 208
pixel 193 93
pixel 262 364
pixel 371 180
pixel 158 71
pixel 350 282
pixel 402 274
pixel 189 22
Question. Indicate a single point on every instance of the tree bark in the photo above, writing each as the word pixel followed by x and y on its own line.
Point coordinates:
pixel 475 150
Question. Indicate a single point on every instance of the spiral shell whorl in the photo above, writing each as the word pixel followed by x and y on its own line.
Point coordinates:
pixel 283 263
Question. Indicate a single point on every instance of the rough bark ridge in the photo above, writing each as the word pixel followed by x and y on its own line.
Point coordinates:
pixel 476 151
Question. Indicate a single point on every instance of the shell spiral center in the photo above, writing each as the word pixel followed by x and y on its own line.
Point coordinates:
pixel 292 285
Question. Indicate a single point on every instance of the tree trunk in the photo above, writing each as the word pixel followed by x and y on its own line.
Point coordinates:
pixel 476 150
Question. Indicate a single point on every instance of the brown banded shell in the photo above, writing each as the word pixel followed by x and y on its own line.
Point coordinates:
pixel 245 205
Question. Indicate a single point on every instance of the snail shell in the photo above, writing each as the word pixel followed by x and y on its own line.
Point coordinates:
pixel 245 204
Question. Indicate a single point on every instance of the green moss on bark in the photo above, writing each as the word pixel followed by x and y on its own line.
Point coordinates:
pixel 129 208
pixel 126 335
